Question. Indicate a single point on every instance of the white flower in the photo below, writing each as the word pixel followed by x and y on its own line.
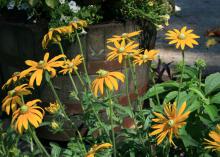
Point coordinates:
pixel 73 7
pixel 63 18
pixel 62 1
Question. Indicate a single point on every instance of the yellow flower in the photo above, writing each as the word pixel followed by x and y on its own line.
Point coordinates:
pixel 124 36
pixel 38 68
pixel 13 79
pixel 77 24
pixel 182 38
pixel 170 123
pixel 13 98
pixel 54 125
pixel 54 35
pixel 69 66
pixel 108 79
pixel 215 143
pixel 53 108
pixel 121 50
pixel 95 148
pixel 147 56
pixel 28 113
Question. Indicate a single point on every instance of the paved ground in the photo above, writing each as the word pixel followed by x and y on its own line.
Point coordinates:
pixel 199 15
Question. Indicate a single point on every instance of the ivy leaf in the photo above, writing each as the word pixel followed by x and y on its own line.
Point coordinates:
pixel 51 3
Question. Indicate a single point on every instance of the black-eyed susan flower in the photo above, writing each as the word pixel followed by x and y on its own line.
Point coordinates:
pixel 145 57
pixel 13 99
pixel 96 148
pixel 27 114
pixel 106 79
pixel 37 69
pixel 124 36
pixel 170 122
pixel 54 35
pixel 182 38
pixel 78 24
pixel 53 108
pixel 11 80
pixel 214 143
pixel 72 65
pixel 121 50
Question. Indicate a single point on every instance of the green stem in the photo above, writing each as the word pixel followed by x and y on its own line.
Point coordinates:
pixel 70 76
pixel 80 79
pixel 154 84
pixel 126 82
pixel 73 83
pixel 129 101
pixel 84 60
pixel 181 77
pixel 63 110
pixel 200 77
pixel 37 141
pixel 57 97
pixel 100 123
pixel 112 127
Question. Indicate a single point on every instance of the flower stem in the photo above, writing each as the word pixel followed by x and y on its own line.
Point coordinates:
pixel 181 77
pixel 155 89
pixel 70 76
pixel 129 101
pixel 100 123
pixel 133 75
pixel 73 83
pixel 112 127
pixel 37 141
pixel 80 79
pixel 127 85
pixel 84 60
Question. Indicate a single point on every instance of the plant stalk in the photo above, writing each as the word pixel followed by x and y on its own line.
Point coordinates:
pixel 181 77
pixel 37 141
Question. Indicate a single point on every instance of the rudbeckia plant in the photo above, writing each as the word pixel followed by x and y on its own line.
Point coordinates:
pixel 175 117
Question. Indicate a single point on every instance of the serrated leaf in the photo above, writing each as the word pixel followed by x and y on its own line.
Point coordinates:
pixel 212 83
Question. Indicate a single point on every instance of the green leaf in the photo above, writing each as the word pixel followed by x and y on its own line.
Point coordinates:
pixel 198 92
pixel 161 88
pixel 51 3
pixel 212 83
pixel 56 150
pixel 194 105
pixel 187 139
pixel 205 121
pixel 33 2
pixel 215 99
pixel 170 96
pixel 212 111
